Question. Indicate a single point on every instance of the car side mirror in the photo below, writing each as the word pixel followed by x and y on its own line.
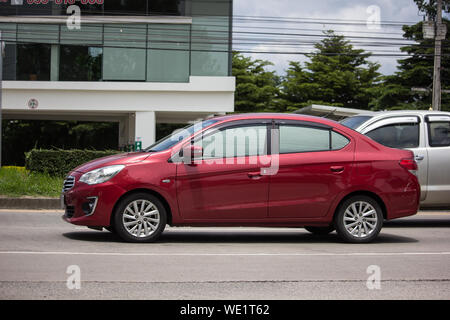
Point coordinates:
pixel 191 153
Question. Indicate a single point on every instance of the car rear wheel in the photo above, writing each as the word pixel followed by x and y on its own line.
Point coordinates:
pixel 359 219
pixel 320 230
pixel 140 217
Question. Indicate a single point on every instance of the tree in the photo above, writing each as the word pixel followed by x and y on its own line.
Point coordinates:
pixel 416 70
pixel 337 74
pixel 429 7
pixel 256 88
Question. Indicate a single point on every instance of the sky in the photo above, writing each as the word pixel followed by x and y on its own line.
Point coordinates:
pixel 332 14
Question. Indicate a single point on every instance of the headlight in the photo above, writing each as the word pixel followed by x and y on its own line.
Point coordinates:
pixel 101 175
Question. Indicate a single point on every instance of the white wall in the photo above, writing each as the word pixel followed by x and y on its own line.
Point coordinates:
pixel 136 104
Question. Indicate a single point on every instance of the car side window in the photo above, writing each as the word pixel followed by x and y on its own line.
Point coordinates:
pixel 236 141
pixel 295 139
pixel 439 134
pixel 399 135
pixel 338 141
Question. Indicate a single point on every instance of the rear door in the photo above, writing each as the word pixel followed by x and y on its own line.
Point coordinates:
pixel 404 132
pixel 438 132
pixel 315 165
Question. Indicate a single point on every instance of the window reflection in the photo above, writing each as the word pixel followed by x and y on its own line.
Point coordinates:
pixel 33 62
pixel 79 63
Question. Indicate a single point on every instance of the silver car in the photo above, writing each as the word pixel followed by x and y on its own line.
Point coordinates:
pixel 426 133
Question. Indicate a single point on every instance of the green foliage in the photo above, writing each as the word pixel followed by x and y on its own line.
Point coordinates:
pixel 20 136
pixel 337 74
pixel 429 7
pixel 256 88
pixel 415 71
pixel 60 162
pixel 16 182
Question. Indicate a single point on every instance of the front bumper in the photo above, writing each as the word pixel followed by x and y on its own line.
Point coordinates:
pixel 90 205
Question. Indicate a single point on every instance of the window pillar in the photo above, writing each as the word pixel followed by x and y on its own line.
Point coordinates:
pixel 54 63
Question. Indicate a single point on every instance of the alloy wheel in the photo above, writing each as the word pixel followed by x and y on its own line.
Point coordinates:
pixel 360 219
pixel 141 218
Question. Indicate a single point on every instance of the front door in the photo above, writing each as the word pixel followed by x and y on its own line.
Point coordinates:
pixel 438 129
pixel 225 183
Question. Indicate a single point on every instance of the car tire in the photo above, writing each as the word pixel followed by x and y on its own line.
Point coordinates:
pixel 359 219
pixel 320 230
pixel 140 217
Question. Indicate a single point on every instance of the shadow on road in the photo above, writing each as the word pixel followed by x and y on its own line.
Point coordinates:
pixel 417 222
pixel 193 236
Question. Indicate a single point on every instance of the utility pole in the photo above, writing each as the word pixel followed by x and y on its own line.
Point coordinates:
pixel 441 30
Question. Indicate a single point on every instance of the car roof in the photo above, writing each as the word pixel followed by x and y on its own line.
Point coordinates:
pixel 402 112
pixel 282 116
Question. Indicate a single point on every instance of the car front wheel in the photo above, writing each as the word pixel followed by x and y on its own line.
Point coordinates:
pixel 140 217
pixel 359 219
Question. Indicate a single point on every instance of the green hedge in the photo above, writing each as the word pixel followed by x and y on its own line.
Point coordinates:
pixel 61 162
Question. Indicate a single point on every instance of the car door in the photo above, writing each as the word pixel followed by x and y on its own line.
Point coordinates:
pixel 438 131
pixel 315 164
pixel 404 132
pixel 226 182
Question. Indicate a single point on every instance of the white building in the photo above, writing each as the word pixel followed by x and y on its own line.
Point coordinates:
pixel 136 62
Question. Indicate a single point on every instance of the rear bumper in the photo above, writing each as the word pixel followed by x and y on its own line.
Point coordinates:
pixel 406 202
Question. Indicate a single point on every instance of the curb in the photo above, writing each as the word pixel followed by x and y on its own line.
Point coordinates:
pixel 30 203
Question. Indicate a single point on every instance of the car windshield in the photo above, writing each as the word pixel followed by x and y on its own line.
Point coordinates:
pixel 178 135
pixel 354 122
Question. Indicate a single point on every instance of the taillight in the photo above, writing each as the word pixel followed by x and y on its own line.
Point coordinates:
pixel 410 165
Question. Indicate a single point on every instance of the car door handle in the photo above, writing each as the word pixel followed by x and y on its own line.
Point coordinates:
pixel 337 169
pixel 419 158
pixel 254 175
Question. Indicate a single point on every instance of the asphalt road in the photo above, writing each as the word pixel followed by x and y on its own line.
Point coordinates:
pixel 36 249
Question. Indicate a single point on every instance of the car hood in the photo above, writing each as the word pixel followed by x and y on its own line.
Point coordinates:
pixel 123 158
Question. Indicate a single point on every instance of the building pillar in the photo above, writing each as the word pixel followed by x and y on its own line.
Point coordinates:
pixel 127 129
pixel 145 128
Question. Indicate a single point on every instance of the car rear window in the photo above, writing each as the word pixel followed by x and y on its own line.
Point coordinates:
pixel 399 135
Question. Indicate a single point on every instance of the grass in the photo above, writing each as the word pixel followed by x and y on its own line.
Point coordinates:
pixel 18 182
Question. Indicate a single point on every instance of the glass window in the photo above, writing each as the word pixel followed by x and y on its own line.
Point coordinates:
pixel 439 134
pixel 86 9
pixel 232 142
pixel 88 35
pixel 355 122
pixel 33 62
pixel 125 7
pixel 8 31
pixel 294 139
pixel 166 7
pixel 210 45
pixel 179 135
pixel 338 141
pixel 78 63
pixel 8 9
pixel 24 8
pixel 123 57
pixel 401 135
pixel 9 62
pixel 38 33
pixel 168 56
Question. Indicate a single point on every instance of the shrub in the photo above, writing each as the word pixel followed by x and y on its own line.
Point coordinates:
pixel 61 162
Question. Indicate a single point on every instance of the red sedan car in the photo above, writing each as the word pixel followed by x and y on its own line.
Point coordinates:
pixel 271 170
